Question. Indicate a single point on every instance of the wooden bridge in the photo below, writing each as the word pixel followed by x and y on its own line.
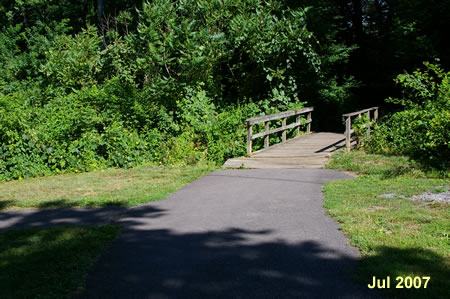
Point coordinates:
pixel 306 150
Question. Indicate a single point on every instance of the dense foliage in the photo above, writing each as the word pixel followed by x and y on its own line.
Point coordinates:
pixel 170 83
pixel 422 129
pixel 93 84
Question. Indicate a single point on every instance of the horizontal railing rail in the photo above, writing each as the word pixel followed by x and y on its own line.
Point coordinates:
pixel 348 123
pixel 267 131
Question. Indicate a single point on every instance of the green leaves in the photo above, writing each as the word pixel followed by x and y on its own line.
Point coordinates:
pixel 427 89
pixel 75 62
pixel 422 130
pixel 131 89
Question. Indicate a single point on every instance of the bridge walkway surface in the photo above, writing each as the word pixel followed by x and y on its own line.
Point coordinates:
pixel 306 151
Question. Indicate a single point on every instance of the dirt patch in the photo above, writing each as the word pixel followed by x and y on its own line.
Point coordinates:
pixel 442 197
pixel 387 195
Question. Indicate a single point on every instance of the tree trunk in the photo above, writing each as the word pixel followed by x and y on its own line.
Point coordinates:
pixel 357 20
pixel 100 6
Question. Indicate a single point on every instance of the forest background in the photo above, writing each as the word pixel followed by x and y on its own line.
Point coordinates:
pixel 87 84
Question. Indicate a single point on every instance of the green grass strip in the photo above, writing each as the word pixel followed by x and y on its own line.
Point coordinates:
pixel 111 187
pixel 397 237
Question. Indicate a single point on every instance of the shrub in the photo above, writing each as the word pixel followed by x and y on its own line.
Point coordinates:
pixel 124 148
pixel 228 135
pixel 422 129
pixel 197 112
pixel 75 62
pixel 69 133
pixel 220 134
pixel 181 150
pixel 169 82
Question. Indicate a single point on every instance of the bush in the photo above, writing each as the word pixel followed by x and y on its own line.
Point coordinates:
pixel 74 62
pixel 220 134
pixel 422 129
pixel 228 135
pixel 361 126
pixel 68 134
pixel 169 82
pixel 182 150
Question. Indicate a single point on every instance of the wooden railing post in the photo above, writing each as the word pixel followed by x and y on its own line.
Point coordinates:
pixel 266 119
pixel 348 123
pixel 249 139
pixel 266 138
pixel 308 127
pixel 348 133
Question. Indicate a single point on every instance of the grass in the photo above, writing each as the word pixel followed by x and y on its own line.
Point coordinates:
pixel 49 263
pixel 396 236
pixel 111 187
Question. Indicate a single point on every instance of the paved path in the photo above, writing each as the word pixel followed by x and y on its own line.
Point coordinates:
pixel 258 233
pixel 232 234
pixel 308 151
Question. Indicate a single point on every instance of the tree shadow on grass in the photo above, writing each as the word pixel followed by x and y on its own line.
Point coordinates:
pixel 231 263
pixel 22 219
pixel 394 262
pixel 5 204
pixel 58 203
pixel 396 171
pixel 66 203
pixel 49 263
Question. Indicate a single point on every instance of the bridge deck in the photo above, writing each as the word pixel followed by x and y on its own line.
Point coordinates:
pixel 307 151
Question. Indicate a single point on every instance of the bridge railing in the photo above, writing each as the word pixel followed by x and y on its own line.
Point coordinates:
pixel 348 123
pixel 267 131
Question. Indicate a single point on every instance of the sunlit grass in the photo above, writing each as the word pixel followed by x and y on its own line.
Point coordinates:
pixel 100 188
pixel 397 236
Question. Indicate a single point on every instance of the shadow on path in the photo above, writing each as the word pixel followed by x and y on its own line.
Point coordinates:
pixel 221 264
pixel 337 146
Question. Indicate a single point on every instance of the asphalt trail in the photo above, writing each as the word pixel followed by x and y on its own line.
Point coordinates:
pixel 259 233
